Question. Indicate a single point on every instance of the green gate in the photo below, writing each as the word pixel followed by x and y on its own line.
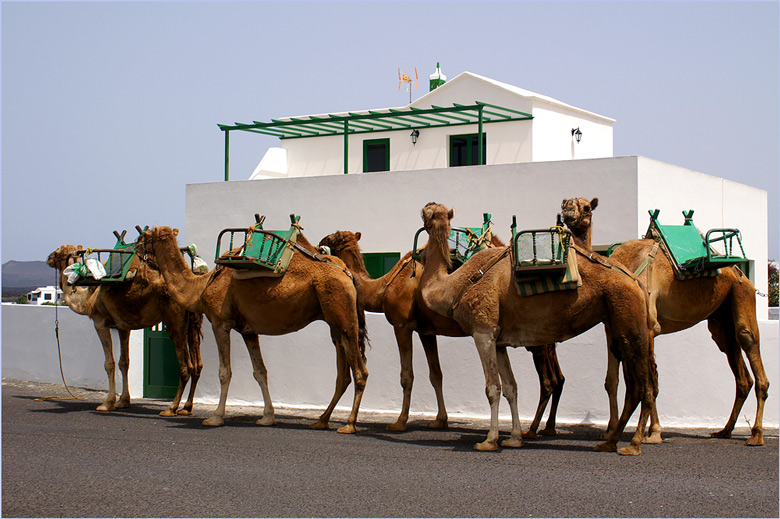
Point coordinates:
pixel 161 367
pixel 380 263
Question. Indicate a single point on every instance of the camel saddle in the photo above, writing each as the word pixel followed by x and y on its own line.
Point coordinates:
pixel 116 263
pixel 691 254
pixel 464 242
pixel 261 253
pixel 543 260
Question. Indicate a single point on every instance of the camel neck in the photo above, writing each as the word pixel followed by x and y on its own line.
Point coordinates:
pixel 184 286
pixel 78 299
pixel 433 283
pixel 373 289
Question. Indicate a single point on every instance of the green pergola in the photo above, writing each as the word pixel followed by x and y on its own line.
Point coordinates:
pixel 387 120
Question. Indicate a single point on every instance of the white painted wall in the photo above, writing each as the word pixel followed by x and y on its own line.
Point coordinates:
pixel 29 347
pixel 697 387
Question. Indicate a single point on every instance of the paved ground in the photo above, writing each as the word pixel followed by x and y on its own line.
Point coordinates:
pixel 61 458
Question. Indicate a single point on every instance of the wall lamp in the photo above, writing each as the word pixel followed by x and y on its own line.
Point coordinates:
pixel 577 134
pixel 414 135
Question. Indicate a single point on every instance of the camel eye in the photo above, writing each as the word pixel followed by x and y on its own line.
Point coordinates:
pixel 586 208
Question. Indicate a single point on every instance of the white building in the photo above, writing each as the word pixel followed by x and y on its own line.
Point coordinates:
pixel 47 294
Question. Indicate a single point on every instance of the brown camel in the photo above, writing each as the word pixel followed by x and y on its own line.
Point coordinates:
pixel 396 294
pixel 727 302
pixel 307 292
pixel 482 297
pixel 139 303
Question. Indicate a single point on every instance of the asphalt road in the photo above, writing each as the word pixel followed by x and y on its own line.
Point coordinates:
pixel 61 458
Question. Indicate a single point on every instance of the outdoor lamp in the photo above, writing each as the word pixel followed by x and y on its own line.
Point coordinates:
pixel 415 133
pixel 577 133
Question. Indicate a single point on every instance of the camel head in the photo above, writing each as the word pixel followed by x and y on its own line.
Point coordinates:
pixel 144 246
pixel 339 240
pixel 64 256
pixel 577 214
pixel 436 220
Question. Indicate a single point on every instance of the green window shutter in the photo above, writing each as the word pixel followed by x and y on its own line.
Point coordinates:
pixel 379 263
pixel 464 149
pixel 376 155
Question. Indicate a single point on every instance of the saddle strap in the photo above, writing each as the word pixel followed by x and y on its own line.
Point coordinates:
pixel 595 257
pixel 479 274
pixel 322 259
pixel 650 257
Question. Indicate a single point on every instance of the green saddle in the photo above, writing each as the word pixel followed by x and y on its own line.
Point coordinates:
pixel 257 249
pixel 116 262
pixel 690 252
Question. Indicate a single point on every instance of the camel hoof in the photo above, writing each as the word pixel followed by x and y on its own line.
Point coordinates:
pixel 721 434
pixel 757 440
pixel 630 450
pixel 106 407
pixel 123 404
pixel 514 443
pixel 530 435
pixel 486 446
pixel 439 423
pixel 167 413
pixel 214 421
pixel 319 425
pixel 653 439
pixel 398 426
pixel 548 432
pixel 347 429
pixel 266 421
pixel 606 447
pixel 184 412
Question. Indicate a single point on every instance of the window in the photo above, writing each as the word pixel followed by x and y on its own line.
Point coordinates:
pixel 376 155
pixel 380 263
pixel 464 149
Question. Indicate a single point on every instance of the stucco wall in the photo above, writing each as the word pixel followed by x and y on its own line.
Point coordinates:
pixel 697 387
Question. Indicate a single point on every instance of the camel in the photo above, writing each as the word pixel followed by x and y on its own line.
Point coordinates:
pixel 139 303
pixel 726 301
pixel 396 294
pixel 482 297
pixel 309 290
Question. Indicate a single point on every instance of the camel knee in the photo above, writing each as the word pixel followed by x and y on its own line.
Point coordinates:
pixel 407 380
pixel 493 392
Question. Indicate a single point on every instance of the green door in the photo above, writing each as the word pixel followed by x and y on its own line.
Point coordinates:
pixel 161 367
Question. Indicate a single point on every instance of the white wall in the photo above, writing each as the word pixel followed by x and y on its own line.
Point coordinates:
pixel 30 352
pixel 697 387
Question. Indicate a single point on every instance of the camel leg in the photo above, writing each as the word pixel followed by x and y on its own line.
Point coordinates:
pixel 342 382
pixel 654 438
pixel 509 387
pixel 178 335
pixel 554 369
pixel 611 385
pixel 403 337
pixel 732 343
pixel 486 347
pixel 431 347
pixel 260 373
pixel 545 389
pixel 222 336
pixel 636 375
pixel 196 363
pixel 124 366
pixel 104 334
pixel 359 373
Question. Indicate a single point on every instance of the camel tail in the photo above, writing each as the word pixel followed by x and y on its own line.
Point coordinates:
pixel 362 328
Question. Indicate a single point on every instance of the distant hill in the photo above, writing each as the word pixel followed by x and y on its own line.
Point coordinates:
pixel 19 277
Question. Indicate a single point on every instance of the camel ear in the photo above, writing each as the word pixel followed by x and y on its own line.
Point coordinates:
pixel 176 232
pixel 451 214
pixel 357 236
pixel 563 204
pixel 79 248
pixel 594 203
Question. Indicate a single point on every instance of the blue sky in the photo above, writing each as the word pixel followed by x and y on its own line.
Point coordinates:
pixel 110 108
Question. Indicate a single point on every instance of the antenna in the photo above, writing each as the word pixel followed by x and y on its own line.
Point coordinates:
pixel 406 78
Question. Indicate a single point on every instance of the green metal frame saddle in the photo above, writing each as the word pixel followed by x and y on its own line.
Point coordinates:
pixel 260 249
pixel 464 242
pixel 540 251
pixel 690 251
pixel 117 262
